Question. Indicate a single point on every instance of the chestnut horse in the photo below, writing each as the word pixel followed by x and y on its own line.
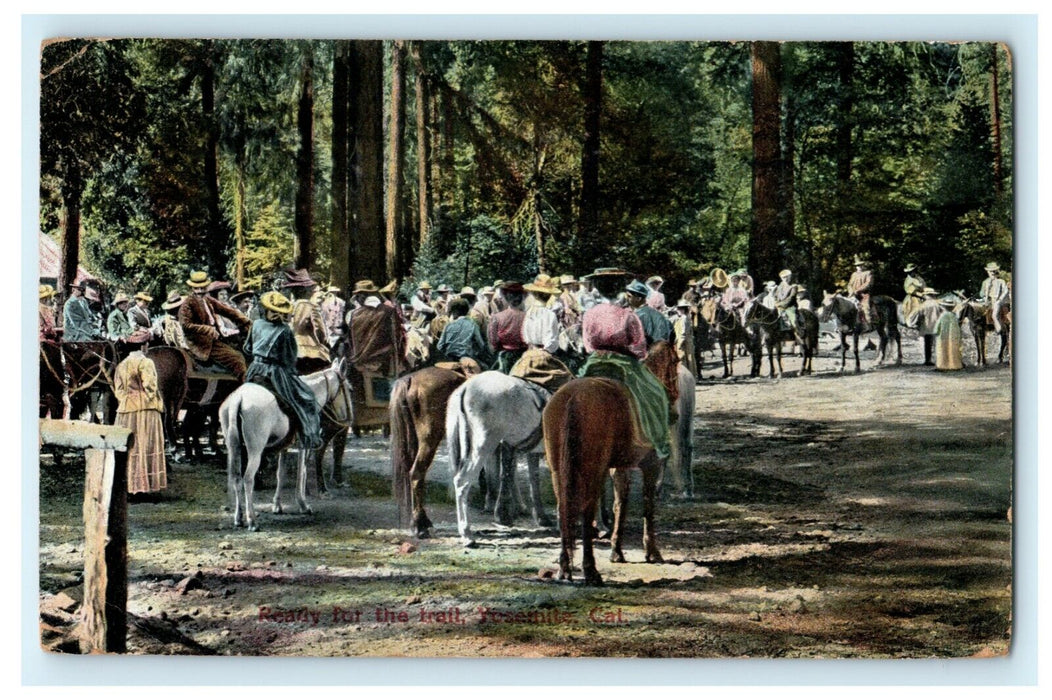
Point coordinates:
pixel 418 424
pixel 589 430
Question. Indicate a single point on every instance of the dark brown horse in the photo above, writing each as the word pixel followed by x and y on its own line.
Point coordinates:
pixel 772 334
pixel 418 424
pixel 885 322
pixel 589 430
pixel 981 322
pixel 731 332
pixel 89 368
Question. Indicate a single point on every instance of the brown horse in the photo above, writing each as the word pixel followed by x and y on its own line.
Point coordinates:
pixel 731 332
pixel 980 320
pixel 589 430
pixel 89 367
pixel 769 324
pixel 418 424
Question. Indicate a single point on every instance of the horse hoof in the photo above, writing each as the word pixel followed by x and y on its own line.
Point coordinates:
pixel 307 510
pixel 253 528
pixel 470 544
pixel 544 521
pixel 277 510
pixel 592 578
pixel 565 575
pixel 423 534
pixel 655 558
pixel 617 557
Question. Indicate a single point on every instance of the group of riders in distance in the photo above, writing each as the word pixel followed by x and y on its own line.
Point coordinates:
pixel 597 374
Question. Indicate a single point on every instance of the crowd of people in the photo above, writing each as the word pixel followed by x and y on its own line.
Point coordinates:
pixel 546 330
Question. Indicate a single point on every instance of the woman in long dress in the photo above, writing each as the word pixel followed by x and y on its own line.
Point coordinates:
pixel 140 409
pixel 948 340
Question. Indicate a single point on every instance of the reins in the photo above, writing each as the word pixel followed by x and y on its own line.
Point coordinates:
pixel 341 391
pixel 101 372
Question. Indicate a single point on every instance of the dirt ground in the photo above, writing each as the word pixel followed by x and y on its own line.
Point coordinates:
pixel 837 515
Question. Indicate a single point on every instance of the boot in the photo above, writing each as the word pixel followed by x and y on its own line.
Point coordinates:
pixel 929 342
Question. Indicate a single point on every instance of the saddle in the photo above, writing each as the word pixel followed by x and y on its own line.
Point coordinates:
pixel 294 423
pixel 466 367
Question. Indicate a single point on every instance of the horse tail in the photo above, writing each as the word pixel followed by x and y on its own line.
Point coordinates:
pixel 403 448
pixel 458 437
pixel 570 456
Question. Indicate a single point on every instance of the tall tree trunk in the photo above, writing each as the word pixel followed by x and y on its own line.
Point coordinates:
pixel 217 240
pixel 72 188
pixel 588 223
pixel 423 145
pixel 305 164
pixel 240 217
pixel 339 253
pixel 396 164
pixel 434 190
pixel 449 164
pixel 995 118
pixel 538 221
pixel 764 252
pixel 367 93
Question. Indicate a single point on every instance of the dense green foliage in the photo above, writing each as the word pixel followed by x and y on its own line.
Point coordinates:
pixel 130 119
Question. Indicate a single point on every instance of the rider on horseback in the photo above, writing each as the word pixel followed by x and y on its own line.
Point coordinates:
pixel 995 292
pixel 272 347
pixel 505 327
pixel 540 332
pixel 860 286
pixel 78 321
pixel 785 300
pixel 197 316
pixel 615 337
pixel 655 326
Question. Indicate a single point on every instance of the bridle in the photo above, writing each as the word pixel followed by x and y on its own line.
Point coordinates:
pixel 338 393
pixel 99 372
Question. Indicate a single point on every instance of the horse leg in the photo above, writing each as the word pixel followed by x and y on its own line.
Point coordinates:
pixel 248 485
pixel 650 468
pixel 425 455
pixel 339 444
pixel 462 486
pixel 540 518
pixel 280 480
pixel 591 574
pixel 723 355
pixel 883 350
pixel 843 352
pixel 621 482
pixel 301 483
pixel 505 504
pixel 858 363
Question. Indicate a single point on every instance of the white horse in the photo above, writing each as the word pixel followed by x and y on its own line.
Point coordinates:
pixel 252 421
pixel 681 432
pixel 492 411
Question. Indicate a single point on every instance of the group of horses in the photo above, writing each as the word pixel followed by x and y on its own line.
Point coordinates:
pixel 757 327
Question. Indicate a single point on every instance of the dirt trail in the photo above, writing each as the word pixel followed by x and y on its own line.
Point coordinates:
pixel 835 515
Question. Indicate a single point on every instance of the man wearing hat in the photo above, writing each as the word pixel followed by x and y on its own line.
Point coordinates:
pixel 570 312
pixel 139 313
pixel 655 326
pixel 768 294
pixel 785 299
pixel 441 301
pixel 117 326
pixel 78 321
pixel 246 301
pixel 307 324
pixel 995 292
pixel 614 336
pixel 540 332
pixel 587 296
pixel 48 334
pixel 375 338
pixel 924 318
pixel 860 286
pixel 735 297
pixel 656 298
pixel 171 329
pixel 480 309
pixel 745 281
pixel 423 311
pixel 198 315
pixel 333 308
pixel 505 327
pixel 914 286
pixel 272 347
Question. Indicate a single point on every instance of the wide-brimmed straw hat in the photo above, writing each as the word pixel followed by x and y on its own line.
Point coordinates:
pixel 121 298
pixel 299 278
pixel 389 288
pixel 444 288
pixel 487 291
pixel 638 288
pixel 655 278
pixel 567 279
pixel 332 289
pixel 909 268
pixel 46 291
pixel 174 301
pixel 993 267
pixel 198 279
pixel 365 287
pixel 769 284
pixel 859 260
pixel 719 278
pixel 216 286
pixel 682 303
pixel 143 296
pixel 425 285
pixel 467 292
pixel 785 273
pixel 277 302
pixel 542 284
pixel 929 292
pixel 608 272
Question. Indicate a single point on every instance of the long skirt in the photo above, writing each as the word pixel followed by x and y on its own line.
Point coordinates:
pixel 146 465
pixel 948 343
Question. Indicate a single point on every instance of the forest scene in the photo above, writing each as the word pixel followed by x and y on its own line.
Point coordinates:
pixel 465 162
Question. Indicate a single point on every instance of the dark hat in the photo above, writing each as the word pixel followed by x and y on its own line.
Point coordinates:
pixel 299 278
pixel 608 272
pixel 513 287
pixel 236 298
pixel 638 288
pixel 174 301
pixel 216 286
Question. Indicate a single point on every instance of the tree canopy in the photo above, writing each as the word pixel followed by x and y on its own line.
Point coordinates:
pixel 189 154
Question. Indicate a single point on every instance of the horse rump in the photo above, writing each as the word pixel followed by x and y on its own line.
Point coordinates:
pixel 403 448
